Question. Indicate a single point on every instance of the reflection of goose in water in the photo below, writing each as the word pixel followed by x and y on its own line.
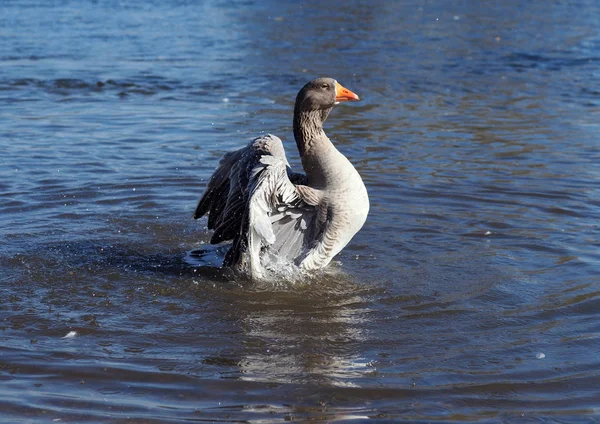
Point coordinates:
pixel 271 213
pixel 306 335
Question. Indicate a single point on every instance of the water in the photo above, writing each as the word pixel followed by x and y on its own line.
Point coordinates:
pixel 471 294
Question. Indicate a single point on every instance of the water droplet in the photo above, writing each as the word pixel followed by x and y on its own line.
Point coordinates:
pixel 70 334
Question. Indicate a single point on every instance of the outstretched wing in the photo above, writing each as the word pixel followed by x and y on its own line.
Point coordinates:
pixel 226 194
pixel 251 200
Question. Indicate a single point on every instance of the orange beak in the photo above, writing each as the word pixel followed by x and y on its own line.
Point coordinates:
pixel 342 94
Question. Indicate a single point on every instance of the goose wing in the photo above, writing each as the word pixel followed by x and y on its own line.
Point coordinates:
pixel 252 200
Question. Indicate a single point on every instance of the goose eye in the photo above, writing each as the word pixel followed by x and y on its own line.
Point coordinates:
pixel 325 86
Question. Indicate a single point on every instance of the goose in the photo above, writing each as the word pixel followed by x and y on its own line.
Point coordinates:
pixel 269 213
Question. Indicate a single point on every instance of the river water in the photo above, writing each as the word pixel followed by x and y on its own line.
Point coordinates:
pixel 471 294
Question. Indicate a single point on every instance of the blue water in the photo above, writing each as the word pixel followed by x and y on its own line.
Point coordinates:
pixel 471 294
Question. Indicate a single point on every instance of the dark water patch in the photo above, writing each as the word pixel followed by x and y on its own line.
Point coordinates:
pixel 146 85
pixel 521 61
pixel 68 86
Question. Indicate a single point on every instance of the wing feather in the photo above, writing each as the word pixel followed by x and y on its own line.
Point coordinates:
pixel 214 197
pixel 252 200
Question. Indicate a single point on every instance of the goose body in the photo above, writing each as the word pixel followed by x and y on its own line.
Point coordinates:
pixel 271 213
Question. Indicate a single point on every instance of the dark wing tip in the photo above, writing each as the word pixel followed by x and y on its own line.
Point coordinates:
pixel 203 205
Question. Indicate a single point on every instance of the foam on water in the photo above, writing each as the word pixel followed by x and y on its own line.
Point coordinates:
pixel 277 271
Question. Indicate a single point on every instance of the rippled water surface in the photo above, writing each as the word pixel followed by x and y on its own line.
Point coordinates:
pixel 471 294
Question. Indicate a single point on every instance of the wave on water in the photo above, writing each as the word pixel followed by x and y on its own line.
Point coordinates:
pixel 145 85
pixel 521 61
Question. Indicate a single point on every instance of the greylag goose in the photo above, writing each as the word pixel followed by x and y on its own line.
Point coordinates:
pixel 271 213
